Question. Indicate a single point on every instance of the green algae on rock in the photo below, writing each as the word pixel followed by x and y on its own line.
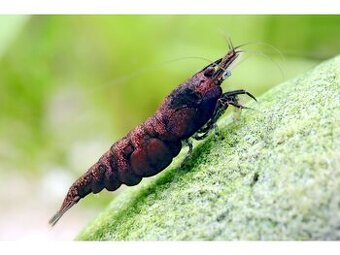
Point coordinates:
pixel 273 174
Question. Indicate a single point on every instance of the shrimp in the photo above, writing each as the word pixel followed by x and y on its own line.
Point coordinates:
pixel 189 111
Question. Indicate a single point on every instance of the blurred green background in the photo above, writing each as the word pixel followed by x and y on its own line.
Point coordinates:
pixel 72 85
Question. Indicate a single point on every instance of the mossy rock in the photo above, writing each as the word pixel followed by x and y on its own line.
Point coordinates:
pixel 271 174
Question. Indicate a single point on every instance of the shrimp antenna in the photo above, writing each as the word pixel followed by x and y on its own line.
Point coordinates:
pixel 263 55
pixel 214 63
pixel 276 50
pixel 230 43
pixel 227 37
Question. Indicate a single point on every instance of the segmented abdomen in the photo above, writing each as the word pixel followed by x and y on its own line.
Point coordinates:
pixel 141 153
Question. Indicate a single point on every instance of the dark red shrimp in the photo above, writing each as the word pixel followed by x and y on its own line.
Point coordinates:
pixel 190 111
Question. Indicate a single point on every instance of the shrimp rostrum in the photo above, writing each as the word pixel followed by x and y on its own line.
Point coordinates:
pixel 189 111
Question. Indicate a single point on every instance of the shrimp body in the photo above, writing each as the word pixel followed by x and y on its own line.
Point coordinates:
pixel 190 110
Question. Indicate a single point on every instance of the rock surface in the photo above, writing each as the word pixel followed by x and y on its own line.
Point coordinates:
pixel 272 174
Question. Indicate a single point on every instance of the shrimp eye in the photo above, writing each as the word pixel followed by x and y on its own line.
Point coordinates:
pixel 209 71
pixel 226 74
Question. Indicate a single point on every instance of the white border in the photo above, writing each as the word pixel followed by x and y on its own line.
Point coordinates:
pixel 156 248
pixel 169 7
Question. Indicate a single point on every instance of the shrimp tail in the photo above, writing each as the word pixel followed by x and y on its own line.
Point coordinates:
pixel 91 181
pixel 64 208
